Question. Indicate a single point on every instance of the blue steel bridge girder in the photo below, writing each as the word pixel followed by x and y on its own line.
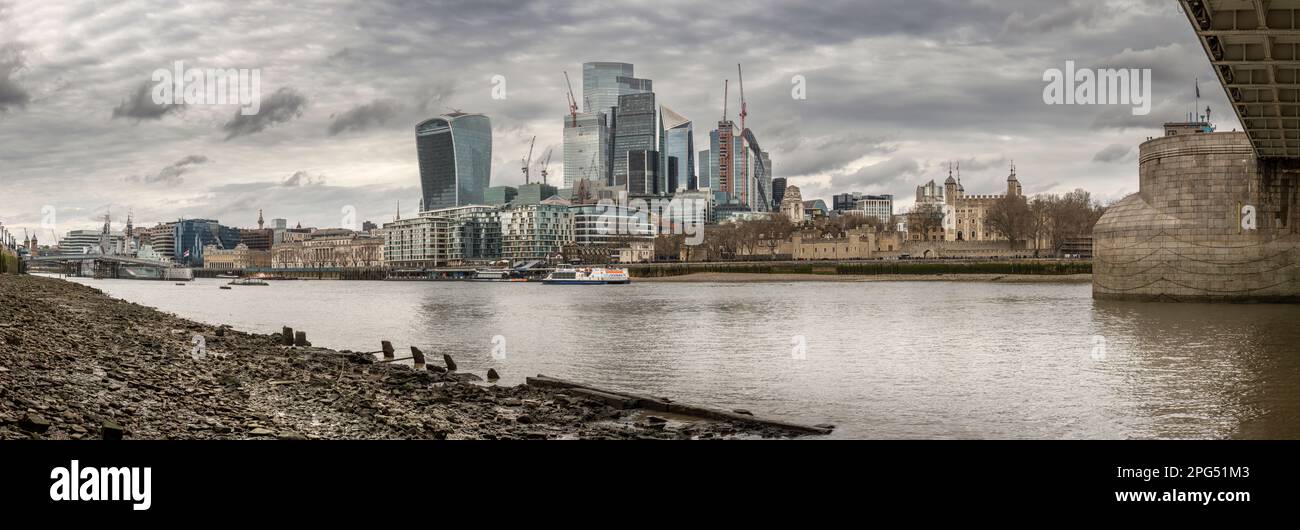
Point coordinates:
pixel 1254 47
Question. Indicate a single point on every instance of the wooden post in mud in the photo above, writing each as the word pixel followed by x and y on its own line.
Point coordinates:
pixel 286 336
pixel 418 357
pixel 387 347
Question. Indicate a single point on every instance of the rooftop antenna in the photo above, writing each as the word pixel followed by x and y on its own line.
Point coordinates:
pixel 529 159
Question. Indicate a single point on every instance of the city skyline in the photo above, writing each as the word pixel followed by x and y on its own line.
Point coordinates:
pixel 337 112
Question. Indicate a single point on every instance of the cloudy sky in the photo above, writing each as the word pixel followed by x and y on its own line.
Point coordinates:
pixel 895 90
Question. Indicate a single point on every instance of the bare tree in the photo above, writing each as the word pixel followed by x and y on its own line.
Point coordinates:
pixel 1010 217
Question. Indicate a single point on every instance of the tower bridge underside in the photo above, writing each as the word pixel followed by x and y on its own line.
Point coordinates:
pixel 1254 46
pixel 1217 214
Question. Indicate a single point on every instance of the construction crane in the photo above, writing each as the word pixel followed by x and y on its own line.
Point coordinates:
pixel 529 159
pixel 573 103
pixel 724 98
pixel 743 110
pixel 546 163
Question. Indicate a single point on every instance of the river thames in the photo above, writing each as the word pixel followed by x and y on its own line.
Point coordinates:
pixel 876 359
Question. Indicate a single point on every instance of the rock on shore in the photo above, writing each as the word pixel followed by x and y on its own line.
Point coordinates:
pixel 77 364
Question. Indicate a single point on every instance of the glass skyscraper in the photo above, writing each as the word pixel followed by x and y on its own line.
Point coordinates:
pixel 602 85
pixel 676 149
pixel 635 130
pixel 708 168
pixel 586 149
pixel 455 154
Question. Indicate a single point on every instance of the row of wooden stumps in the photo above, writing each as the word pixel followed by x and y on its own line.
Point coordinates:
pixel 289 337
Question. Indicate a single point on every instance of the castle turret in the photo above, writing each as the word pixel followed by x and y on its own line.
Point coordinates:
pixel 1013 184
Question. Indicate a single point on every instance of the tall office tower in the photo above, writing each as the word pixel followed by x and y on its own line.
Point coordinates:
pixel 676 141
pixel 723 142
pixel 634 130
pixel 602 84
pixel 586 149
pixel 455 154
pixel 708 170
pixel 643 172
pixel 669 169
pixel 778 192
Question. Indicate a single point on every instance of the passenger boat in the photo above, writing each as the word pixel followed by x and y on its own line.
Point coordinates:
pixel 248 281
pixel 498 275
pixel 587 276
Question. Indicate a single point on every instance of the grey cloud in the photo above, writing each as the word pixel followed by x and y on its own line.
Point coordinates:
pixel 284 105
pixel 12 96
pixel 303 178
pixel 173 174
pixel 1113 153
pixel 375 113
pixel 140 105
pixel 882 173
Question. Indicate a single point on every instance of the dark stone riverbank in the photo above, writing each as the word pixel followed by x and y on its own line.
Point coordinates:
pixel 77 364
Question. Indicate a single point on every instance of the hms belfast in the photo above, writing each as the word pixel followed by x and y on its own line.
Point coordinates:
pixel 1216 212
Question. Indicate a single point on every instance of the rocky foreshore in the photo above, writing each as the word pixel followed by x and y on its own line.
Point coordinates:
pixel 78 364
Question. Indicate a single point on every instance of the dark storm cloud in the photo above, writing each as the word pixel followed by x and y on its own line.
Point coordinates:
pixel 139 105
pixel 12 96
pixel 284 105
pixel 1113 153
pixel 896 88
pixel 376 113
pixel 172 174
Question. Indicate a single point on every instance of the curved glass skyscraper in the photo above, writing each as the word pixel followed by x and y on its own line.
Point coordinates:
pixel 455 153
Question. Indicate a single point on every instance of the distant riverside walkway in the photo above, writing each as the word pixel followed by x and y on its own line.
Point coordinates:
pixel 877 270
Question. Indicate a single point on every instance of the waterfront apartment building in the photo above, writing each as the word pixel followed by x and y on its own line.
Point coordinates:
pixel 475 233
pixel 236 259
pixel 610 225
pixel 535 231
pixel 87 242
pixel 330 248
pixel 417 242
pixel 455 157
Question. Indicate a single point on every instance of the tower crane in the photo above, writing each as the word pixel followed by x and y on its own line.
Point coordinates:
pixel 546 163
pixel 744 111
pixel 573 103
pixel 529 159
